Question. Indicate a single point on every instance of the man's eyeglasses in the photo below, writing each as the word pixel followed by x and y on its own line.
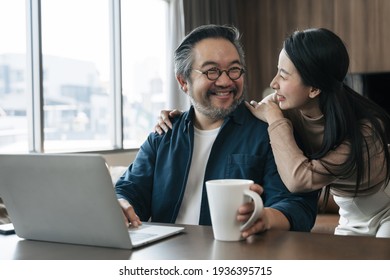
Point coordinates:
pixel 213 74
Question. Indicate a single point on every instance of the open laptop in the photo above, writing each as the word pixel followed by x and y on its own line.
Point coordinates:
pixel 69 198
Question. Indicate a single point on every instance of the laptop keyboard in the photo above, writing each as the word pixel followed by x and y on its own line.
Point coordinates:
pixel 139 236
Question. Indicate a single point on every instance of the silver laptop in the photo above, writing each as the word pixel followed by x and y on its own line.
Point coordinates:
pixel 69 198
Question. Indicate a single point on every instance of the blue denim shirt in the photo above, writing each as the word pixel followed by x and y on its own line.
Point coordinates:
pixel 154 183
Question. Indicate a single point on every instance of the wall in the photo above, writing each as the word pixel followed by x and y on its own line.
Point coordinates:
pixel 361 24
pixel 120 158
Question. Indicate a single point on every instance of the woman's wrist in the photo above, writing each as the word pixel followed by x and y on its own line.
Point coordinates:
pixel 274 116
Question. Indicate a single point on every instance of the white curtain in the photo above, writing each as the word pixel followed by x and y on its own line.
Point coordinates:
pixel 176 98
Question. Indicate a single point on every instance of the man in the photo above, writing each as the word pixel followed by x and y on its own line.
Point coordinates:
pixel 217 138
pixel 4 219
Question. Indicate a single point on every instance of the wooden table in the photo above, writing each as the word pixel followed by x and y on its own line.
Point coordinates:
pixel 197 243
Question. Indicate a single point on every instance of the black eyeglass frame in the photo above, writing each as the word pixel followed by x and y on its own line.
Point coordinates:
pixel 242 71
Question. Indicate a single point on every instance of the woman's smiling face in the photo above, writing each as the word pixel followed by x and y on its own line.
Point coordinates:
pixel 291 92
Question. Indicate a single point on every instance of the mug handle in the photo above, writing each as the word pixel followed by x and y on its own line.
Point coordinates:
pixel 257 211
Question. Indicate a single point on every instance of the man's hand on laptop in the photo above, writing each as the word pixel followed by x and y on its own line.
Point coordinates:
pixel 131 218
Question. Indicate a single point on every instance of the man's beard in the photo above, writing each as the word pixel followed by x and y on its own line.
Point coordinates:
pixel 212 112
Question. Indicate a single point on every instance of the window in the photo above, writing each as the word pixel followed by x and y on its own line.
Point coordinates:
pixel 89 100
pixel 144 66
pixel 13 101
pixel 76 63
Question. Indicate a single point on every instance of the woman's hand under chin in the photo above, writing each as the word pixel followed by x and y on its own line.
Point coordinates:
pixel 266 110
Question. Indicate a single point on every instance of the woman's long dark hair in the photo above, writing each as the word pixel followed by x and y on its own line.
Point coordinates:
pixel 322 60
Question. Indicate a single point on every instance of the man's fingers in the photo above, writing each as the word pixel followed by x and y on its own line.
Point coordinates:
pixel 129 213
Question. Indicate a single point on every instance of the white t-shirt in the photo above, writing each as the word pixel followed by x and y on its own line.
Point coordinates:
pixel 190 207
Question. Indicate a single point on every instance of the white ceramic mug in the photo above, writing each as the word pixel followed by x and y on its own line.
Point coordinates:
pixel 225 196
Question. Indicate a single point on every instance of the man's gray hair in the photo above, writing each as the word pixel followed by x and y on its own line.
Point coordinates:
pixel 183 54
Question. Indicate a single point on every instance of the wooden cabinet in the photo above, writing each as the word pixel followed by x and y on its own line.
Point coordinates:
pixel 362 24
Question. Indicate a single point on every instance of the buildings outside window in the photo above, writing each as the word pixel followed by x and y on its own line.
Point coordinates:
pixel 77 76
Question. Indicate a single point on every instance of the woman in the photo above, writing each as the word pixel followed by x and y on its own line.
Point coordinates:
pixel 323 133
